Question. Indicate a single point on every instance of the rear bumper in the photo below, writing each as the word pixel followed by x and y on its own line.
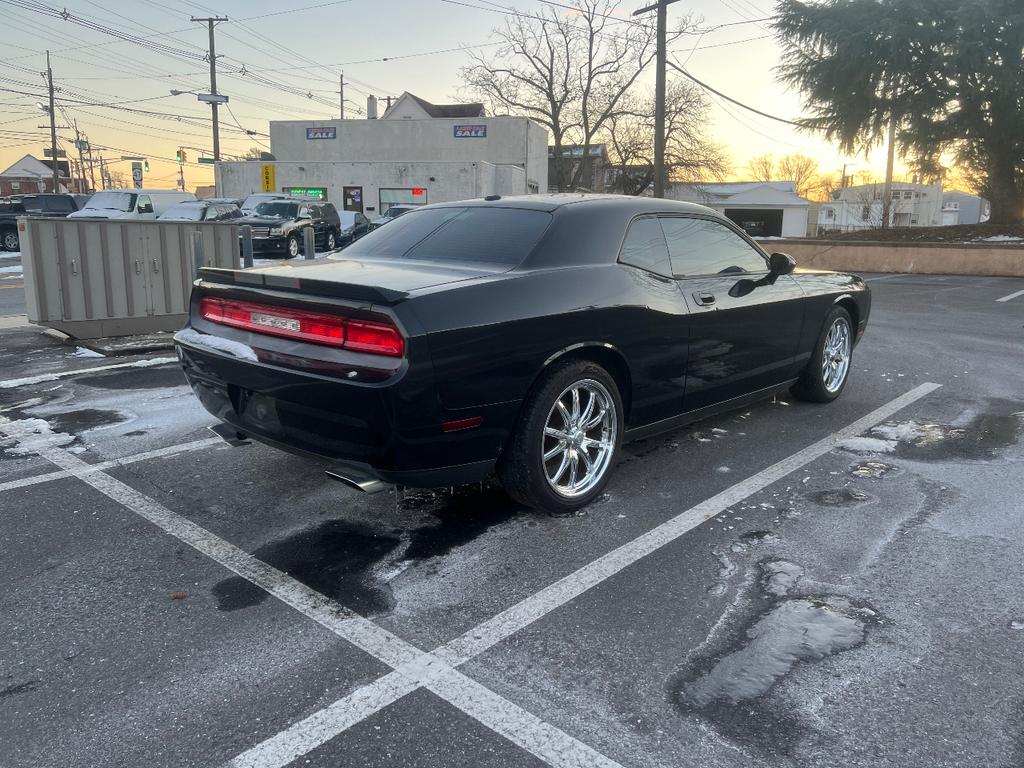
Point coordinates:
pixel 391 429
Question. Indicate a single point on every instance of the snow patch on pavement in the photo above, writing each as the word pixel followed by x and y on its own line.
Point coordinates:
pixel 867 445
pixel 23 437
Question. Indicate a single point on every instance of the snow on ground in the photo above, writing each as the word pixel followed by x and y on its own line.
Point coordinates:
pixel 868 445
pixel 23 437
pixel 83 352
pixel 1000 239
pixel 11 269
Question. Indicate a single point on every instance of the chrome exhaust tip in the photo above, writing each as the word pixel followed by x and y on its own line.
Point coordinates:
pixel 229 434
pixel 357 480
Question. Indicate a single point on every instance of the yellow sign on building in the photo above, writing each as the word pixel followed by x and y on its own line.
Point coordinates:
pixel 267 175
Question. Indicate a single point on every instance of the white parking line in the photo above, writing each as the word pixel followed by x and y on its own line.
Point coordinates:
pixel 159 453
pixel 525 730
pixel 436 671
pixel 11 383
pixel 1011 296
pixel 884 277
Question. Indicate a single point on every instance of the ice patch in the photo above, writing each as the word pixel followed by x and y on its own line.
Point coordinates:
pixel 83 352
pixel 912 432
pixel 793 631
pixel 22 437
pixel 780 576
pixel 216 343
pixel 867 445
pixel 999 239
pixel 11 269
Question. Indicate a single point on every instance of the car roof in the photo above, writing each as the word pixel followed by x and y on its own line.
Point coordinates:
pixel 585 200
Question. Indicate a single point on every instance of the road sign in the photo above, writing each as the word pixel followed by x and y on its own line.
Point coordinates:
pixel 137 175
pixel 213 98
pixel 267 177
pixel 206 160
pixel 48 152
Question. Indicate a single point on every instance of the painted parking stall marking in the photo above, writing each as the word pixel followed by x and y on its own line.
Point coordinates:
pixel 44 377
pixel 1012 296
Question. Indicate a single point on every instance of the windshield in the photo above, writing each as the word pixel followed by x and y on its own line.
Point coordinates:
pixel 112 201
pixel 481 234
pixel 183 212
pixel 277 209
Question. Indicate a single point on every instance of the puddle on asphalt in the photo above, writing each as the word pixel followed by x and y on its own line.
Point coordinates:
pixel 76 422
pixel 730 685
pixel 351 562
pixel 463 515
pixel 839 497
pixel 981 438
pixel 335 558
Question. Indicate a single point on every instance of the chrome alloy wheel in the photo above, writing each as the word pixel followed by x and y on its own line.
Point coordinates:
pixel 293 247
pixel 835 356
pixel 579 438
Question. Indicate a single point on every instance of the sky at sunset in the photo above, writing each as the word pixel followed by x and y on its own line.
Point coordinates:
pixel 278 64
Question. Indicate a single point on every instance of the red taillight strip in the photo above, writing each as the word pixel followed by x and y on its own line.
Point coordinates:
pixel 302 325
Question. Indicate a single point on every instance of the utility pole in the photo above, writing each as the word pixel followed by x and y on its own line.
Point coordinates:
pixel 661 6
pixel 92 168
pixel 210 21
pixel 890 156
pixel 341 96
pixel 53 127
pixel 81 156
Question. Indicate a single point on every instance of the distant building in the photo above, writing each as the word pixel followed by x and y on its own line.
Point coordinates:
pixel 761 208
pixel 592 168
pixel 416 153
pixel 860 207
pixel 964 208
pixel 409 107
pixel 30 174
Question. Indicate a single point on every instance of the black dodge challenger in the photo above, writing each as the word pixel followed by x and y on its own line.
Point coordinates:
pixel 527 336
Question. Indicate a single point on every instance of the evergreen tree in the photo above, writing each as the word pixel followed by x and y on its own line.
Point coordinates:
pixel 949 72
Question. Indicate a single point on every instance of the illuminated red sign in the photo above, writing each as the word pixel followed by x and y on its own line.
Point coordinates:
pixel 418 192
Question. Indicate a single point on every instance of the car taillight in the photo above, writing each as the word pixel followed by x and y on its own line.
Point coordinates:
pixel 300 324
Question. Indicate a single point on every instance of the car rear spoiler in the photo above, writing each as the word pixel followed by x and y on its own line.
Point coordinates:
pixel 243 277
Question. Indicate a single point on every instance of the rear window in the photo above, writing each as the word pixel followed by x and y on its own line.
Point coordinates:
pixel 491 235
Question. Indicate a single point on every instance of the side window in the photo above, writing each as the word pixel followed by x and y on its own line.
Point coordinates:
pixel 703 247
pixel 305 212
pixel 644 247
pixel 144 204
pixel 61 204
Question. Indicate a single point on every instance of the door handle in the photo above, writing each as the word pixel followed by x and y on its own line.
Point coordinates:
pixel 703 298
pixel 138 267
pixel 156 266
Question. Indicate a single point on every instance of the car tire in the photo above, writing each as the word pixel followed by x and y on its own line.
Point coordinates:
pixel 294 247
pixel 552 445
pixel 9 240
pixel 332 241
pixel 828 370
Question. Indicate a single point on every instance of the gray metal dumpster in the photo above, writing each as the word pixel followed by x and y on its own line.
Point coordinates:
pixel 100 277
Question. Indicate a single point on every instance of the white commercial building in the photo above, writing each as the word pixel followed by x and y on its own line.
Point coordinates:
pixel 860 207
pixel 417 152
pixel 761 208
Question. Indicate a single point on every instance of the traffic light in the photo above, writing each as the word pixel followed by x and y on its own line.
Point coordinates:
pixel 145 166
pixel 180 156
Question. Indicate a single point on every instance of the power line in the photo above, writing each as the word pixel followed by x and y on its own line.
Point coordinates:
pixel 707 87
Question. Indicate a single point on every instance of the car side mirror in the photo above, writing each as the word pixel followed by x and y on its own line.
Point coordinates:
pixel 145 208
pixel 781 264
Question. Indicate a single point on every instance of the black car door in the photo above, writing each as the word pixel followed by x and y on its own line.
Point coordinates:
pixel 741 340
pixel 655 331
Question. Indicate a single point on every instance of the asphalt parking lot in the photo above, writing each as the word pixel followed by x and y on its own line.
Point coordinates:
pixel 788 585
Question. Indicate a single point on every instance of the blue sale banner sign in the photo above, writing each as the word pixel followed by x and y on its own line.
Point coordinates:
pixel 470 131
pixel 323 132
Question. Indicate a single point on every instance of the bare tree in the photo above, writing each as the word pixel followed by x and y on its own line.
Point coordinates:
pixel 762 168
pixel 802 170
pixel 253 153
pixel 689 155
pixel 567 71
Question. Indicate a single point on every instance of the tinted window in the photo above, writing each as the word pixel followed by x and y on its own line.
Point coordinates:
pixel 60 204
pixel 703 247
pixel 182 212
pixel 644 247
pixel 495 235
pixel 31 203
pixel 277 210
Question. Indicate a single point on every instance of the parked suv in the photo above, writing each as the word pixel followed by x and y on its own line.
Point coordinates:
pixel 35 206
pixel 278 226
